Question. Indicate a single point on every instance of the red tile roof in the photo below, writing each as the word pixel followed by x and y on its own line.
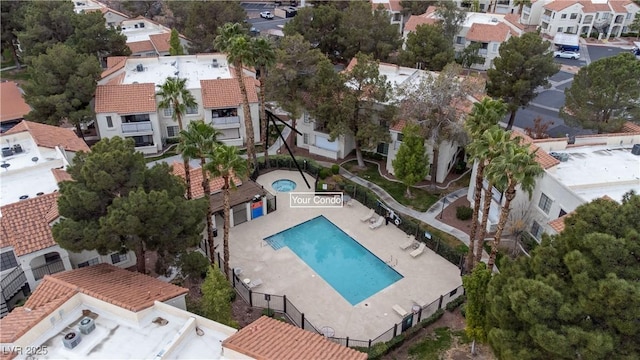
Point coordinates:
pixel 115 60
pixel 129 290
pixel 428 17
pixel 25 224
pixel 61 175
pixel 141 46
pixel 126 99
pixel 195 176
pixel 160 42
pixel 559 5
pixel 50 136
pixel 543 158
pixel 558 224
pixel 116 63
pixel 398 126
pixel 268 339
pixel 629 127
pixel 514 19
pixel 220 93
pixel 488 32
pixel 12 104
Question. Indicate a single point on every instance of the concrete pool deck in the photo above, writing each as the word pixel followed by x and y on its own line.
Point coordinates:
pixel 426 277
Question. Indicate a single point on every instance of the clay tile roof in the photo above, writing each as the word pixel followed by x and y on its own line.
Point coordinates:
pixel 129 290
pixel 215 184
pixel 629 127
pixel 12 104
pixel 514 19
pixel 50 136
pixel 618 6
pixel 25 224
pixel 267 339
pixel 48 296
pixel 160 42
pixel 126 98
pixel 543 158
pixel 61 175
pixel 115 60
pixel 399 126
pixel 560 4
pixel 558 224
pixel 140 46
pixel 416 20
pixel 488 32
pixel 219 93
pixel 114 68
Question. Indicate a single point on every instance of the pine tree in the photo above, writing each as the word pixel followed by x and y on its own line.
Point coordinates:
pixel 411 162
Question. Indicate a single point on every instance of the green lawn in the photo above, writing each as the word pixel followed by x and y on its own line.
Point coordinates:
pixel 421 200
pixel 432 347
pixel 21 75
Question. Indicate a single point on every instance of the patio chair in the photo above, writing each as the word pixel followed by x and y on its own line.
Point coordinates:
pixel 419 250
pixel 368 216
pixel 407 244
pixel 399 310
pixel 254 283
pixel 377 224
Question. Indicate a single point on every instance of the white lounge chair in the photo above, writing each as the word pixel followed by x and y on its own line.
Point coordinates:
pixel 407 244
pixel 399 310
pixel 377 224
pixel 419 250
pixel 368 216
pixel 254 283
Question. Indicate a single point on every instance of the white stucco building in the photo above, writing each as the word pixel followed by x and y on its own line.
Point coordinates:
pixel 126 104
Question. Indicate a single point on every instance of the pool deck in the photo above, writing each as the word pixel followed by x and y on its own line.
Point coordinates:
pixel 426 277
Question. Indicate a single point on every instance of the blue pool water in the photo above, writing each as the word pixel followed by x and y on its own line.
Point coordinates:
pixel 347 266
pixel 283 185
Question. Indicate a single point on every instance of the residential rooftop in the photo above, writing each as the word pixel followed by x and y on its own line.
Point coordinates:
pixel 135 32
pixel 194 68
pixel 12 104
pixel 595 171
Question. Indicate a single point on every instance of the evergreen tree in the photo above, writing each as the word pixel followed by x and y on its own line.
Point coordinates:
pixel 525 63
pixel 475 289
pixel 174 43
pixel 617 80
pixel 91 36
pixel 427 48
pixel 217 296
pixel 46 23
pixel 319 25
pixel 410 164
pixel 11 21
pixel 578 295
pixel 452 19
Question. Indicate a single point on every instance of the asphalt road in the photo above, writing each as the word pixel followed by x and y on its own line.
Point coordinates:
pixel 253 13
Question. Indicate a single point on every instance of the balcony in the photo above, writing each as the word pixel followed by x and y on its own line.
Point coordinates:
pixel 546 18
pixel 137 127
pixel 48 269
pixel 13 282
pixel 227 122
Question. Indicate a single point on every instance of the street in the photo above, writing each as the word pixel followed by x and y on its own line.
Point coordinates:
pixel 253 14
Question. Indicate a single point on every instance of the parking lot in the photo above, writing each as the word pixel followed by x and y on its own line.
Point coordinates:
pixel 253 14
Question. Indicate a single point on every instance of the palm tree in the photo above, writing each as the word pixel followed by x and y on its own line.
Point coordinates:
pixel 521 4
pixel 488 147
pixel 484 115
pixel 233 40
pixel 196 141
pixel 517 166
pixel 175 96
pixel 264 57
pixel 226 163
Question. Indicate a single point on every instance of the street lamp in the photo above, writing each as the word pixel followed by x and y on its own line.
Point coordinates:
pixel 444 203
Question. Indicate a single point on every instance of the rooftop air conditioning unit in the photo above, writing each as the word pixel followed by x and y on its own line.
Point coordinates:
pixel 636 149
pixel 139 68
pixel 87 325
pixel 494 20
pixel 71 340
pixel 141 24
pixel 214 63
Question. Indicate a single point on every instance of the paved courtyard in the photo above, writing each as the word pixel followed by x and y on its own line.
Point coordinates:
pixel 425 277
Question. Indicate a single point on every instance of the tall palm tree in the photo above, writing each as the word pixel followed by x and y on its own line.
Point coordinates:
pixel 234 41
pixel 226 163
pixel 484 115
pixel 174 95
pixel 198 140
pixel 488 147
pixel 264 57
pixel 517 166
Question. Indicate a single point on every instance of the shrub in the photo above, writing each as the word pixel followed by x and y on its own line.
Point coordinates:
pixel 194 264
pixel 173 140
pixel 324 173
pixel 335 168
pixel 268 312
pixel 464 212
pixel 452 305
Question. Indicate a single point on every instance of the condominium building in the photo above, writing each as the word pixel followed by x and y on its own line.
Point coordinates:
pixel 126 103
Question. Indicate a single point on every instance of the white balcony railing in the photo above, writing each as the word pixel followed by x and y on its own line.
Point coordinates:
pixel 228 120
pixel 136 127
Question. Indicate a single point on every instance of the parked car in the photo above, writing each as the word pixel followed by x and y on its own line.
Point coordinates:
pixel 567 54
pixel 266 15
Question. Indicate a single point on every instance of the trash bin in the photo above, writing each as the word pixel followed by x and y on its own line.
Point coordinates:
pixel 215 232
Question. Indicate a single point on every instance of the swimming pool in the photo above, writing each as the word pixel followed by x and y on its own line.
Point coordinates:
pixel 283 185
pixel 352 270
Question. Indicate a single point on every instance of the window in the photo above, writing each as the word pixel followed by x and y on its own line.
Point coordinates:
pixel 562 213
pixel 536 230
pixel 573 16
pixel 305 138
pixel 172 131
pixel 307 118
pixel 560 29
pixel 168 112
pixel 459 40
pixel 570 30
pixel 89 262
pixel 109 122
pixel 7 261
pixel 400 136
pixel 545 203
pixel 192 110
pixel 494 48
pixel 563 16
pixel 116 258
